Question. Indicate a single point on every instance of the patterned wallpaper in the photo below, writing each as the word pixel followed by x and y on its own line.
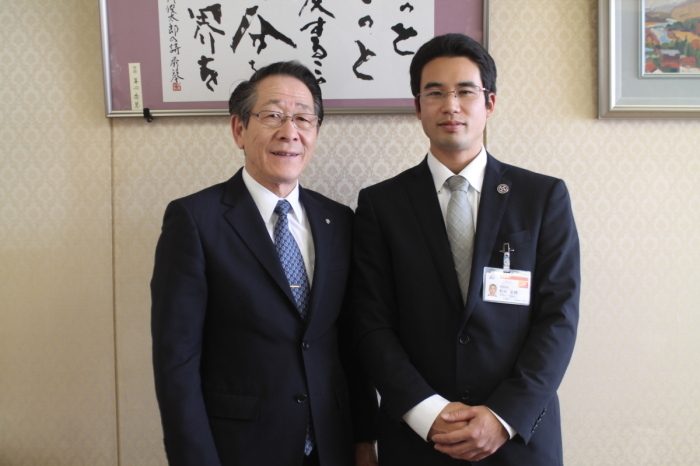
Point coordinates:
pixel 57 377
pixel 629 395
pixel 82 198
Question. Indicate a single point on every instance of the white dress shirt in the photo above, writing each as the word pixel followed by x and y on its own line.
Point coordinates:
pixel 421 417
pixel 266 201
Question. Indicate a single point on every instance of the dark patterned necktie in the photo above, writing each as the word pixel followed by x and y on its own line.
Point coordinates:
pixel 290 256
pixel 295 270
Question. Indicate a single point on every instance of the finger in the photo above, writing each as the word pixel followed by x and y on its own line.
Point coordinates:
pixel 455 448
pixel 472 452
pixel 478 457
pixel 456 436
pixel 457 415
pixel 469 452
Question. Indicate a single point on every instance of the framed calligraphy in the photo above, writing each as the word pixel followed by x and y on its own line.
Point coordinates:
pixel 184 57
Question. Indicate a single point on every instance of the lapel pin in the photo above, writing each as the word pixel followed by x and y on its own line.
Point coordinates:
pixel 328 222
pixel 502 188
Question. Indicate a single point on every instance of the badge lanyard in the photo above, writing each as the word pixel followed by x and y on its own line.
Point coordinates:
pixel 506 257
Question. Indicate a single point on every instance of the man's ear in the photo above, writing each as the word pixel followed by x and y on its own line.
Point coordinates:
pixel 490 103
pixel 237 129
pixel 416 104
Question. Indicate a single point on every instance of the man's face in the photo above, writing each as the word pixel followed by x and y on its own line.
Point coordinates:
pixel 455 127
pixel 275 157
pixel 492 290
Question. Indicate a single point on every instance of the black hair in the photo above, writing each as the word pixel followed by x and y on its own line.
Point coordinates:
pixel 453 45
pixel 244 95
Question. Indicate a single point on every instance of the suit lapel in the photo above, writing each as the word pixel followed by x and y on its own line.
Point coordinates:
pixel 421 192
pixel 244 217
pixel 492 207
pixel 322 230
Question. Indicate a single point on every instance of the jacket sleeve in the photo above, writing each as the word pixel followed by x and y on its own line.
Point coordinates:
pixel 377 314
pixel 545 354
pixel 363 397
pixel 179 301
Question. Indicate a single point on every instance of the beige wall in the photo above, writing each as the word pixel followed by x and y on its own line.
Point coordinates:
pixel 81 200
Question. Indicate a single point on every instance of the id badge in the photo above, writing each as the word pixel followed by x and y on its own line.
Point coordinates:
pixel 512 287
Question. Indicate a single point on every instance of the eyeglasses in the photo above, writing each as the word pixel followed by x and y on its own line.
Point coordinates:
pixel 463 94
pixel 301 121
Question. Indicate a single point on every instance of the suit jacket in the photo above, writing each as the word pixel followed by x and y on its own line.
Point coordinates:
pixel 417 338
pixel 237 370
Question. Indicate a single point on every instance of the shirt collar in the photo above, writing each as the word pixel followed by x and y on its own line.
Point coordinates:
pixel 266 200
pixel 474 172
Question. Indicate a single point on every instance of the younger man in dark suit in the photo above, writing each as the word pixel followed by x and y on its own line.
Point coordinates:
pixel 474 374
pixel 250 347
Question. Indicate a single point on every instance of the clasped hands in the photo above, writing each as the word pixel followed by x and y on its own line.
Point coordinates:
pixel 467 432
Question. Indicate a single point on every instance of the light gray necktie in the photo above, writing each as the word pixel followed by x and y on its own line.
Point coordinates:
pixel 460 230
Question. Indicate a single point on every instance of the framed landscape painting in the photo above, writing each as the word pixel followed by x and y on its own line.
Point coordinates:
pixel 649 52
pixel 671 38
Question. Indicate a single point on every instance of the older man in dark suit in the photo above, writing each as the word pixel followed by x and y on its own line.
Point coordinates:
pixel 475 374
pixel 251 349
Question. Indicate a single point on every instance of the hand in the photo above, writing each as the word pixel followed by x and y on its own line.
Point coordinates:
pixel 443 426
pixel 365 454
pixel 481 437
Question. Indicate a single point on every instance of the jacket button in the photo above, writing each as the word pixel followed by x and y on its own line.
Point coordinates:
pixel 464 340
pixel 304 345
pixel 301 398
pixel 464 395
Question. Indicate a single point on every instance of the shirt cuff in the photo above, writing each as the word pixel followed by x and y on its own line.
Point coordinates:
pixel 421 417
pixel 511 432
